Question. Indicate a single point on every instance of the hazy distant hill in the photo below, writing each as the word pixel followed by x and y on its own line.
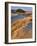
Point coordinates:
pixel 20 11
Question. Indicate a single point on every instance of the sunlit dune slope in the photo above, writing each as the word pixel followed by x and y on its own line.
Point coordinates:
pixel 19 23
pixel 20 34
pixel 17 30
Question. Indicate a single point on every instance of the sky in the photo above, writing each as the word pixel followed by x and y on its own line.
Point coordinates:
pixel 24 8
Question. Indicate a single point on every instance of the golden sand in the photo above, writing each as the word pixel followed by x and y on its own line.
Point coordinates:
pixel 17 29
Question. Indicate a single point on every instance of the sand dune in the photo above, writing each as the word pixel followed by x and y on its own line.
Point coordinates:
pixel 17 30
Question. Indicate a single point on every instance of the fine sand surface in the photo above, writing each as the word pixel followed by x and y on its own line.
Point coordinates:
pixel 18 30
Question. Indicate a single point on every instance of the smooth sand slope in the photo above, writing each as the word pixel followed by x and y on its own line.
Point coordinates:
pixel 18 30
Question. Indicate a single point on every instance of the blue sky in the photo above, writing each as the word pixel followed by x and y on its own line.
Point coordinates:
pixel 24 8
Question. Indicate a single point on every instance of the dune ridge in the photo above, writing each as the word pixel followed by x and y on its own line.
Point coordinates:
pixel 17 28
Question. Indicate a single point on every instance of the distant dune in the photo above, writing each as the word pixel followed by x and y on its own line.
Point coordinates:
pixel 17 31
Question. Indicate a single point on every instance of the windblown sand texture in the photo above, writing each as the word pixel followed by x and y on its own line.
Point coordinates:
pixel 19 30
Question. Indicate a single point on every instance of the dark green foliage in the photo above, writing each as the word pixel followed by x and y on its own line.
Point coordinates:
pixel 20 11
